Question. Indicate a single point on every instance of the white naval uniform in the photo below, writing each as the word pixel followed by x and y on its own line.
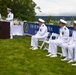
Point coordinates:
pixel 70 46
pixel 39 35
pixel 64 34
pixel 10 19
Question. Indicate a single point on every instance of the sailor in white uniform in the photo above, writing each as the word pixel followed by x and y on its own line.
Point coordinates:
pixel 70 47
pixel 39 35
pixel 10 15
pixel 9 18
pixel 64 34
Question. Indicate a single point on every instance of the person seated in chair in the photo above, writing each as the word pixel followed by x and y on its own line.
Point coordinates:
pixel 63 35
pixel 70 47
pixel 39 35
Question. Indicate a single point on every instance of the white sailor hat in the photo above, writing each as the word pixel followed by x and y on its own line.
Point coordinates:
pixel 8 9
pixel 63 21
pixel 41 20
pixel 74 22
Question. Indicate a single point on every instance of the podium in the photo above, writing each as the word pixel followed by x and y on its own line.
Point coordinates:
pixel 4 30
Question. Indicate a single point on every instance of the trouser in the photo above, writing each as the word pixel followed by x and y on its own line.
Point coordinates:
pixel 69 51
pixel 75 53
pixel 53 46
pixel 11 32
pixel 64 49
pixel 34 40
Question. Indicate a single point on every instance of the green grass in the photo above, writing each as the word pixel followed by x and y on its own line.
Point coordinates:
pixel 17 59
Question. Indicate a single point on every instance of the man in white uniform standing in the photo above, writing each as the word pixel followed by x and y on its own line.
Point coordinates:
pixel 10 15
pixel 39 35
pixel 9 18
pixel 64 34
pixel 70 47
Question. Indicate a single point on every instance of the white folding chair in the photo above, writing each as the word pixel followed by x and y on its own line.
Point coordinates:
pixel 44 39
pixel 47 41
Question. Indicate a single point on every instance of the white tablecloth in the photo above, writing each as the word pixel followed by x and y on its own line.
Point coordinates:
pixel 17 29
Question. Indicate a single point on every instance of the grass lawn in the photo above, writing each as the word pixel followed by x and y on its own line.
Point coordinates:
pixel 17 59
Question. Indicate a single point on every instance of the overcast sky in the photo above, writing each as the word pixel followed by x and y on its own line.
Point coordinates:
pixel 56 7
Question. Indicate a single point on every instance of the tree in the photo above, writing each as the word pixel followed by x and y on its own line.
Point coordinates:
pixel 39 9
pixel 72 19
pixel 22 9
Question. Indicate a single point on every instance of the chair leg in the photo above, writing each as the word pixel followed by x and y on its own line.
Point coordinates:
pixel 46 47
pixel 42 45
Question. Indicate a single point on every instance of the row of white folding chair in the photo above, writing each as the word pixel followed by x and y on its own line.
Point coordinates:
pixel 46 41
pixel 56 35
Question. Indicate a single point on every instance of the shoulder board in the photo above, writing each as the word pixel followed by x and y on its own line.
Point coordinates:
pixel 64 28
pixel 43 25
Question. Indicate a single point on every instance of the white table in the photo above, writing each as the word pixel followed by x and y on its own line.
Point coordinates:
pixel 17 29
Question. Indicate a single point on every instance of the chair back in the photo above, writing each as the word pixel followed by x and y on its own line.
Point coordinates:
pixel 54 35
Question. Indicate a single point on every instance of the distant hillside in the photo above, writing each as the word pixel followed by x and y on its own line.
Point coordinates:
pixel 67 18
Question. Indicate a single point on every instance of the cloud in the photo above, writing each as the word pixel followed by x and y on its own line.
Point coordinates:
pixel 56 7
